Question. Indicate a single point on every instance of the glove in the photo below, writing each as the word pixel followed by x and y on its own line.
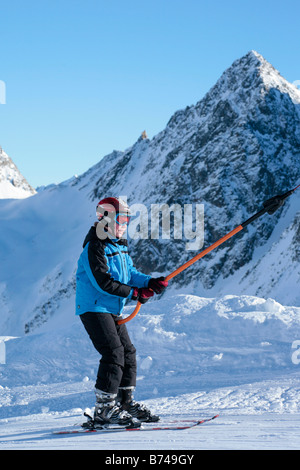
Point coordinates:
pixel 142 294
pixel 157 284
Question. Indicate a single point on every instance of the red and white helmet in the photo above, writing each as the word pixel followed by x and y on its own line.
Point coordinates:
pixel 114 208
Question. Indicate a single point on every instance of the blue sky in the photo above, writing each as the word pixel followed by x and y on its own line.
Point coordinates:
pixel 85 77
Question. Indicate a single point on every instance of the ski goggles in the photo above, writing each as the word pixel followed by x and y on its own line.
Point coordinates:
pixel 122 219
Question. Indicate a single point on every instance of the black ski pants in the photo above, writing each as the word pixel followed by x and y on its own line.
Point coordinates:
pixel 117 366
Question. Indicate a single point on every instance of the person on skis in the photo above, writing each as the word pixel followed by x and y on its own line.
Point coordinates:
pixel 106 278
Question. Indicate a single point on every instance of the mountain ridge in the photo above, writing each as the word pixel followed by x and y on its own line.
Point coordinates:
pixel 197 143
pixel 229 157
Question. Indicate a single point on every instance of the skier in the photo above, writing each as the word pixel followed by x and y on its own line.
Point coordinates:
pixel 105 280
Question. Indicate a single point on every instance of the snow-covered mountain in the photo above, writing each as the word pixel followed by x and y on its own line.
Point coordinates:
pixel 225 335
pixel 234 149
pixel 12 182
pixel 231 151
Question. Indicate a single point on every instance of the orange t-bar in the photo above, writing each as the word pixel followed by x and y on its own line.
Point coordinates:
pixel 185 266
pixel 270 206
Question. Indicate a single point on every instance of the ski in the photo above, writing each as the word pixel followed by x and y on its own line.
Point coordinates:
pixel 143 427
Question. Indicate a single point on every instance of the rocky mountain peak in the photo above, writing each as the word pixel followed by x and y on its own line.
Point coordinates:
pixel 245 83
pixel 238 146
pixel 13 185
pixel 249 82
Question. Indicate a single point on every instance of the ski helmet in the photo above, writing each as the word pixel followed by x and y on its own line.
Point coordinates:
pixel 111 206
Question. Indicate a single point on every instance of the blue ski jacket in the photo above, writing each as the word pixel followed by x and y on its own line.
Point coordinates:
pixel 105 275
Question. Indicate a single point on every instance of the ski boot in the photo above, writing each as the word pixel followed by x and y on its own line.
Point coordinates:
pixel 108 412
pixel 137 410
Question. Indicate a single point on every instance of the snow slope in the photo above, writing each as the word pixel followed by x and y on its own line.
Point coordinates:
pixel 231 355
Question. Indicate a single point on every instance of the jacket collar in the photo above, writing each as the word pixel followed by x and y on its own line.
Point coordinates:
pixel 91 235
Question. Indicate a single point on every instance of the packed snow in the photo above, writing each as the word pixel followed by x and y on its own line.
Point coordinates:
pixel 238 356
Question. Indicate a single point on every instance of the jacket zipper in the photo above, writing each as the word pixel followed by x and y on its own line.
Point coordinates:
pixel 125 276
pixel 126 271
